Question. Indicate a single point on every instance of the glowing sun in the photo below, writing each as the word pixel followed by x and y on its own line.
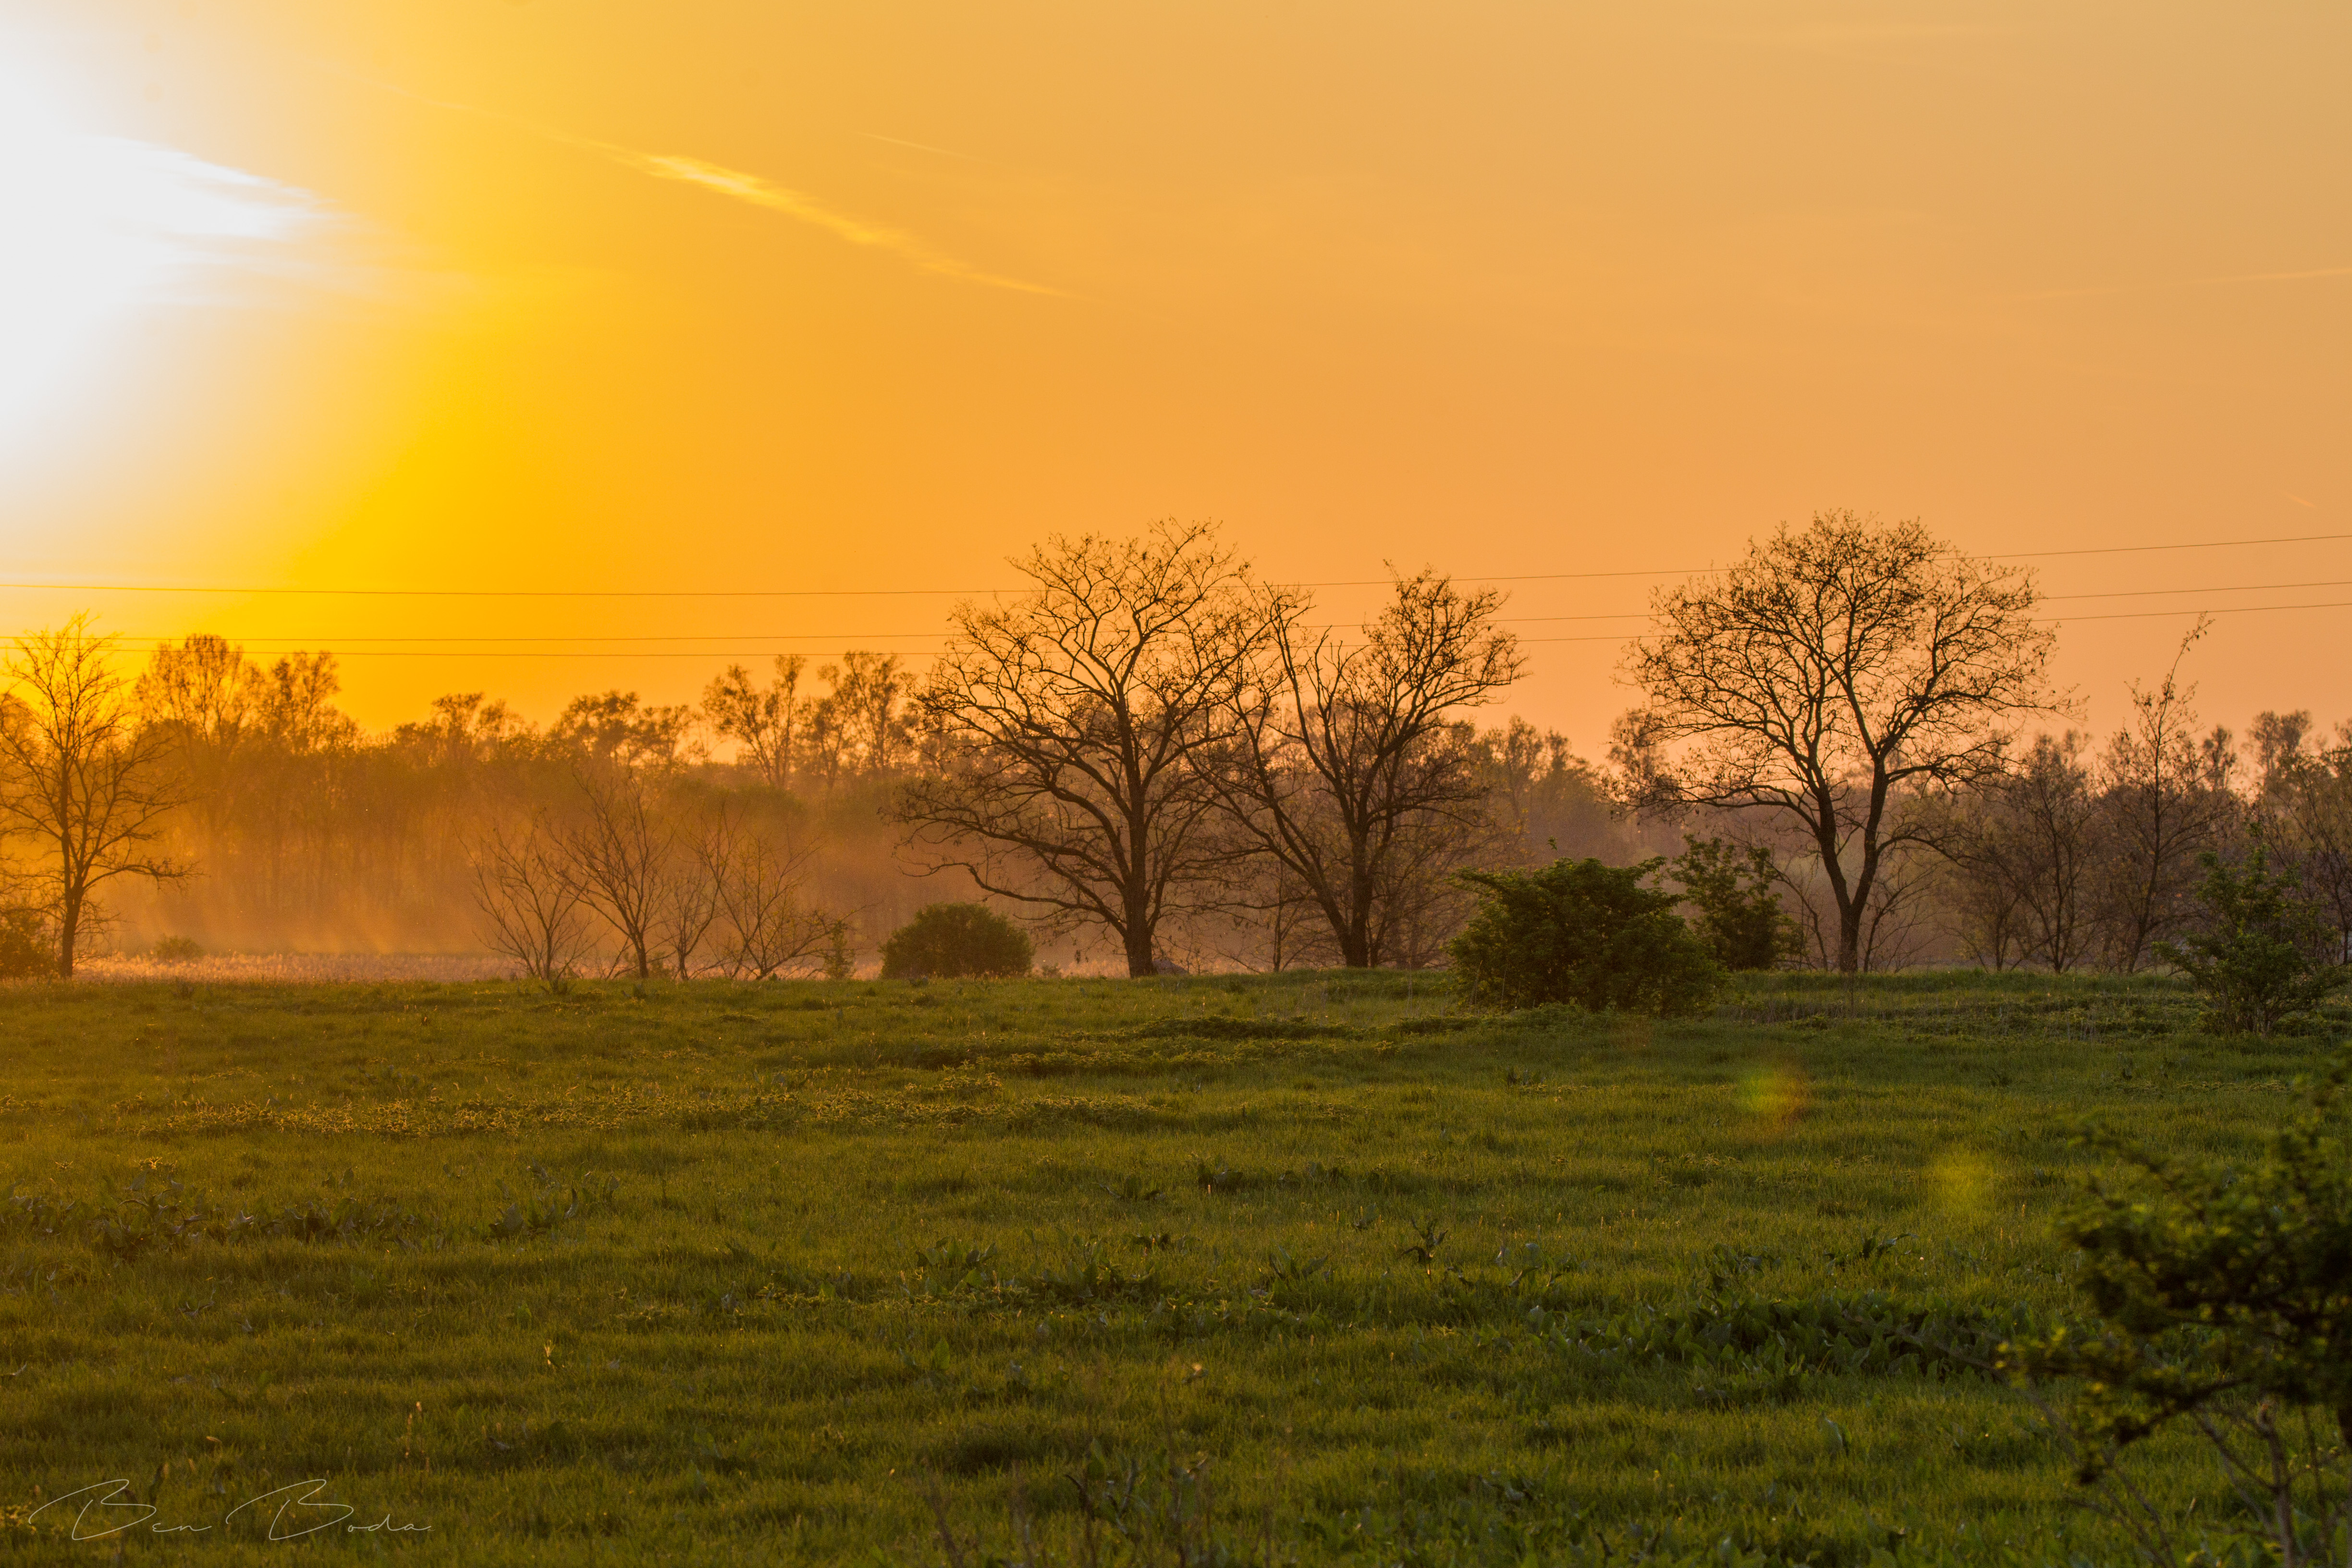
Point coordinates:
pixel 94 228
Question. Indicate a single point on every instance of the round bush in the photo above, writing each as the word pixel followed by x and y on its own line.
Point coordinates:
pixel 951 942
pixel 1579 931
pixel 27 947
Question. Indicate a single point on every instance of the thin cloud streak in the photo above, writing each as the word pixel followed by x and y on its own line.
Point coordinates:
pixel 761 193
pixel 740 185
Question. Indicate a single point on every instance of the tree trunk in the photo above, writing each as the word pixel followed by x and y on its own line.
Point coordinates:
pixel 68 933
pixel 1140 956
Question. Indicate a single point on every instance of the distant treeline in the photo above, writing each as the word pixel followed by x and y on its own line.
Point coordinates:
pixel 301 832
pixel 1155 758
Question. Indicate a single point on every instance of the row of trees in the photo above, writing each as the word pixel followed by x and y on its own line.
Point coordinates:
pixel 1152 745
pixel 206 793
pixel 1151 734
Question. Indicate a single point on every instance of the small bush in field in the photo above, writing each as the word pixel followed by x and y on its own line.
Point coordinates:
pixel 175 950
pixel 2254 960
pixel 953 941
pixel 26 947
pixel 1739 914
pixel 1579 931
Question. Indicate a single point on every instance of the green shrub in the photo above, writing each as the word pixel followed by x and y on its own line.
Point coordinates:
pixel 950 942
pixel 2254 961
pixel 27 947
pixel 175 950
pixel 1738 912
pixel 1583 932
pixel 2223 1292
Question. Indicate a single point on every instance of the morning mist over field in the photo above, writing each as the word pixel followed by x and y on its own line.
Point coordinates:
pixel 1241 785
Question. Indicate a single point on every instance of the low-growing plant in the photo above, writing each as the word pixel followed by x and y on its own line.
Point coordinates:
pixel 550 1203
pixel 1086 1272
pixel 1429 1235
pixel 175 950
pixel 946 1267
pixel 1131 1189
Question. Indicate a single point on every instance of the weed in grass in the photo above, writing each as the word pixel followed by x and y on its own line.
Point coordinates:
pixel 1131 1189
pixel 1429 1236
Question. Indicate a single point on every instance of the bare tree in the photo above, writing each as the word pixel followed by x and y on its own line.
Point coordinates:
pixel 2165 798
pixel 763 721
pixel 532 907
pixel 1345 755
pixel 688 885
pixel 80 775
pixel 616 854
pixel 2024 846
pixel 768 927
pixel 1833 672
pixel 1065 724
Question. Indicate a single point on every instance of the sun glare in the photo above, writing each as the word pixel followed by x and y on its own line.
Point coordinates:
pixel 100 226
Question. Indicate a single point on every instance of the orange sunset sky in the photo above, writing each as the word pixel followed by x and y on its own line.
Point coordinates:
pixel 715 295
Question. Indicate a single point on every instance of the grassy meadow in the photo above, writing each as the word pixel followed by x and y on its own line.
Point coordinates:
pixel 1309 1268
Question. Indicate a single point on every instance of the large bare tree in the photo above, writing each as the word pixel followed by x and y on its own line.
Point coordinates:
pixel 1836 669
pixel 1347 763
pixel 80 774
pixel 1063 726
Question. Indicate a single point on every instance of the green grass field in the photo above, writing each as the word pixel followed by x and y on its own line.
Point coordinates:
pixel 1307 1267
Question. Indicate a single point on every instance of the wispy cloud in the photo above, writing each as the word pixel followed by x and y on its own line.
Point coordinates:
pixel 737 185
pixel 763 193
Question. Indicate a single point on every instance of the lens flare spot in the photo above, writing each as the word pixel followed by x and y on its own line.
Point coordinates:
pixel 1962 1181
pixel 1775 1094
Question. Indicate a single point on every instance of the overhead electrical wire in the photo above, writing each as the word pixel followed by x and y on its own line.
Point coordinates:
pixel 347 650
pixel 884 592
pixel 294 643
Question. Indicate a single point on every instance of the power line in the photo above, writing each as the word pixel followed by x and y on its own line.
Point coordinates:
pixel 296 644
pixel 2238 588
pixel 2136 549
pixel 930 653
pixel 952 592
pixel 2060 620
